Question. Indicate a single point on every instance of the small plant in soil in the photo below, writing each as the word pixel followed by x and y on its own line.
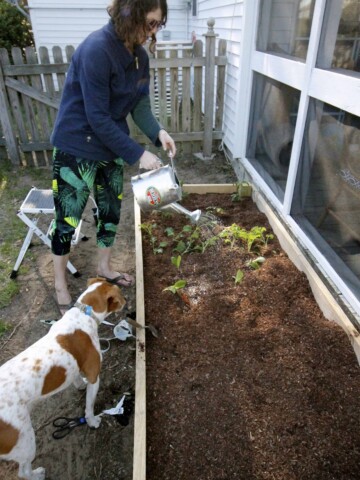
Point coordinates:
pixel 176 261
pixel 157 247
pixel 256 263
pixel 188 240
pixel 175 287
pixel 239 277
pixel 216 210
pixel 255 238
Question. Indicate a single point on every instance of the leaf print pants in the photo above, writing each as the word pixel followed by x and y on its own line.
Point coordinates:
pixel 73 180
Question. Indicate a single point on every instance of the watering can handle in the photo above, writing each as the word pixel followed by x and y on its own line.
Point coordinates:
pixel 170 155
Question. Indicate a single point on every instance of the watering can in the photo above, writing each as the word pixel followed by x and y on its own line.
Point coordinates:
pixel 160 189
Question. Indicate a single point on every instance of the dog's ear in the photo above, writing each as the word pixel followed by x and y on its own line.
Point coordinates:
pixel 116 302
pixel 94 280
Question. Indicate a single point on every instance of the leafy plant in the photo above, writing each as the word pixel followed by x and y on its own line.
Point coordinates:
pixel 258 236
pixel 204 245
pixel 216 210
pixel 157 247
pixel 186 240
pixel 176 286
pixel 176 261
pixel 254 237
pixel 15 29
pixel 243 189
pixel 239 277
pixel 256 263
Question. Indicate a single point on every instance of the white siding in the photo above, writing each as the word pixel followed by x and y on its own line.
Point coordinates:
pixel 68 22
pixel 229 18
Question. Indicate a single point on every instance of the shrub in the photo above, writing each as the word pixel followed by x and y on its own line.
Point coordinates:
pixel 15 29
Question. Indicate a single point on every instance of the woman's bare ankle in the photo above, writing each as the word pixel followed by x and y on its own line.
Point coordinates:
pixel 63 295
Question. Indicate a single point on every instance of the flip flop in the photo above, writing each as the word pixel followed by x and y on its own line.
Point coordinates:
pixel 122 280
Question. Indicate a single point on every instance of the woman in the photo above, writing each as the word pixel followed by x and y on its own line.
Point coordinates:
pixel 108 78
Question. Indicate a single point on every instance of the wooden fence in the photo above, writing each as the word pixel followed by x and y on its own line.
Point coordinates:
pixel 186 89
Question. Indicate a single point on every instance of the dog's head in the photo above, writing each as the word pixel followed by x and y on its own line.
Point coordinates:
pixel 103 297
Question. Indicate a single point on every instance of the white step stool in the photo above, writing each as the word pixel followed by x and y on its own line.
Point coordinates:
pixel 41 202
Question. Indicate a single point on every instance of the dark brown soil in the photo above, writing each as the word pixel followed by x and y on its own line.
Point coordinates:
pixel 246 381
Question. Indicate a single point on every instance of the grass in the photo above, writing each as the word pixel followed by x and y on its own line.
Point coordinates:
pixel 15 182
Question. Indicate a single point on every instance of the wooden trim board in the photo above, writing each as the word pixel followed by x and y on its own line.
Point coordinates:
pixel 139 454
pixel 323 296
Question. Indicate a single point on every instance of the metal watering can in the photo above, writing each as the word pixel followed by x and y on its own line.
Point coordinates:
pixel 160 189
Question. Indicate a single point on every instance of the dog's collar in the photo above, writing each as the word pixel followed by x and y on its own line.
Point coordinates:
pixel 88 310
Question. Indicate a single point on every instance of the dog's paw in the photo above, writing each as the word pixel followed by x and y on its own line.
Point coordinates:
pixel 38 474
pixel 94 422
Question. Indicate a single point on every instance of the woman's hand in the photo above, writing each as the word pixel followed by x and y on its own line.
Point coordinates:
pixel 167 142
pixel 149 161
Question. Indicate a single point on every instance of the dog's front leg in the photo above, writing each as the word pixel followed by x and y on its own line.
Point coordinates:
pixel 27 473
pixel 91 392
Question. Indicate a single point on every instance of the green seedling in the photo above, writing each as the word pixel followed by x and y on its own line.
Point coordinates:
pixel 176 261
pixel 210 242
pixel 243 190
pixel 169 231
pixel 232 234
pixel 257 236
pixel 187 240
pixel 256 264
pixel 252 238
pixel 239 277
pixel 157 247
pixel 216 210
pixel 177 286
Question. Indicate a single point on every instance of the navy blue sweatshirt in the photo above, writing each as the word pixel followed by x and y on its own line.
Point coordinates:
pixel 104 83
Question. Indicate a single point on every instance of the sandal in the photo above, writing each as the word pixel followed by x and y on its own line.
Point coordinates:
pixel 121 280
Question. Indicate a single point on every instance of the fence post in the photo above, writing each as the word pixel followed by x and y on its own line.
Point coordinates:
pixel 210 37
pixel 10 139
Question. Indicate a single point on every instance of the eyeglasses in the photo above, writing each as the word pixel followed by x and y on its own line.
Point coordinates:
pixel 154 24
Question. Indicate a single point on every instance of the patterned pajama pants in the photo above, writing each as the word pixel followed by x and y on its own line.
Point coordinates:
pixel 73 180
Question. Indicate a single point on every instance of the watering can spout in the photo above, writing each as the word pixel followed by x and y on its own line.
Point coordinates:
pixel 194 216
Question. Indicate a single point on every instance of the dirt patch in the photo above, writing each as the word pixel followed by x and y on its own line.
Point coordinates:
pixel 248 380
pixel 106 453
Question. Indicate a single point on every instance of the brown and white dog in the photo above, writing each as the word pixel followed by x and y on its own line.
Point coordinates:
pixel 69 352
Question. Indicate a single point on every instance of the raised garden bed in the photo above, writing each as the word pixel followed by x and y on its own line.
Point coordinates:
pixel 248 379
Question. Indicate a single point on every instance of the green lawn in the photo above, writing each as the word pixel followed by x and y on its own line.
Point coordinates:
pixel 15 182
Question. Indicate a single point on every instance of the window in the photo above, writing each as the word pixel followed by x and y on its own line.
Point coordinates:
pixel 271 133
pixel 326 202
pixel 340 39
pixel 284 27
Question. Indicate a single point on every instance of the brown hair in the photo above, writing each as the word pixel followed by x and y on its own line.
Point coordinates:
pixel 129 17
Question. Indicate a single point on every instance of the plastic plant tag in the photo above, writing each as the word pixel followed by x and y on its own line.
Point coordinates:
pixel 118 410
pixel 123 330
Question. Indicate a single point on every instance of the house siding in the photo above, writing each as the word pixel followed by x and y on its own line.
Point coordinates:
pixel 68 23
pixel 229 26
